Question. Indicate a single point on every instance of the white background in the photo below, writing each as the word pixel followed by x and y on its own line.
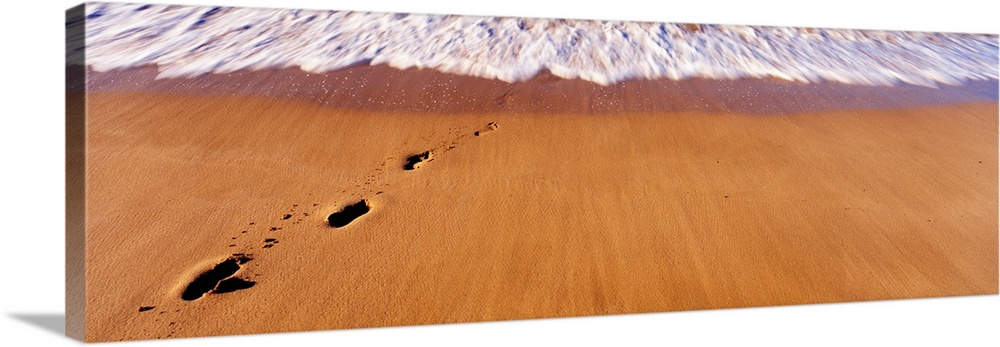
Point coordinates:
pixel 31 241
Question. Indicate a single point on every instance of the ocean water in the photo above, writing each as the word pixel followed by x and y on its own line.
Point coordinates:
pixel 185 41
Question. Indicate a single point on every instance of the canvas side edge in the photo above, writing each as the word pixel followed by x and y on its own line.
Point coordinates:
pixel 75 174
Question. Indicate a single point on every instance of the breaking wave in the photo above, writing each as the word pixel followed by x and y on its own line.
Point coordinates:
pixel 185 41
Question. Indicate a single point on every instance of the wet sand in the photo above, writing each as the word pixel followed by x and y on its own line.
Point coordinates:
pixel 381 88
pixel 546 214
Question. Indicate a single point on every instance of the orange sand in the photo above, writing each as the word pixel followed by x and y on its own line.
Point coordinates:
pixel 549 215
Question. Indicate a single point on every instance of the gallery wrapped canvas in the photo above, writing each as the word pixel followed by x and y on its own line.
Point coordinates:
pixel 253 170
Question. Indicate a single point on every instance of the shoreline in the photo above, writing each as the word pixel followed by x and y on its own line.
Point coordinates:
pixel 381 88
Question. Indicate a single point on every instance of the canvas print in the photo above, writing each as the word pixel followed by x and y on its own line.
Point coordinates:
pixel 258 170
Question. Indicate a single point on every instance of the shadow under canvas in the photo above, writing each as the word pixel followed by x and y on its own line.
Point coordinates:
pixel 51 322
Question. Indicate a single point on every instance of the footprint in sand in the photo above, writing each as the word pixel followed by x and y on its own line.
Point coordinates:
pixel 489 127
pixel 348 214
pixel 221 278
pixel 502 100
pixel 415 161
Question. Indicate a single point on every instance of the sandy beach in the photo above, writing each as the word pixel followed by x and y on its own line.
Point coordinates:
pixel 710 199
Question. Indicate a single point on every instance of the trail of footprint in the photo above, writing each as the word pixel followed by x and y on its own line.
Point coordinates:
pixel 222 277
pixel 375 182
pixel 415 161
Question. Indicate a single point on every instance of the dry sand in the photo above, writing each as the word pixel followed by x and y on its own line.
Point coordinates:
pixel 548 215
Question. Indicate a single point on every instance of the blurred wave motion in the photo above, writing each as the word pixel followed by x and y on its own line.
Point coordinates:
pixel 186 41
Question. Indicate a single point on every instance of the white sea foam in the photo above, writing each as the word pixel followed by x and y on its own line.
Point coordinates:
pixel 186 41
